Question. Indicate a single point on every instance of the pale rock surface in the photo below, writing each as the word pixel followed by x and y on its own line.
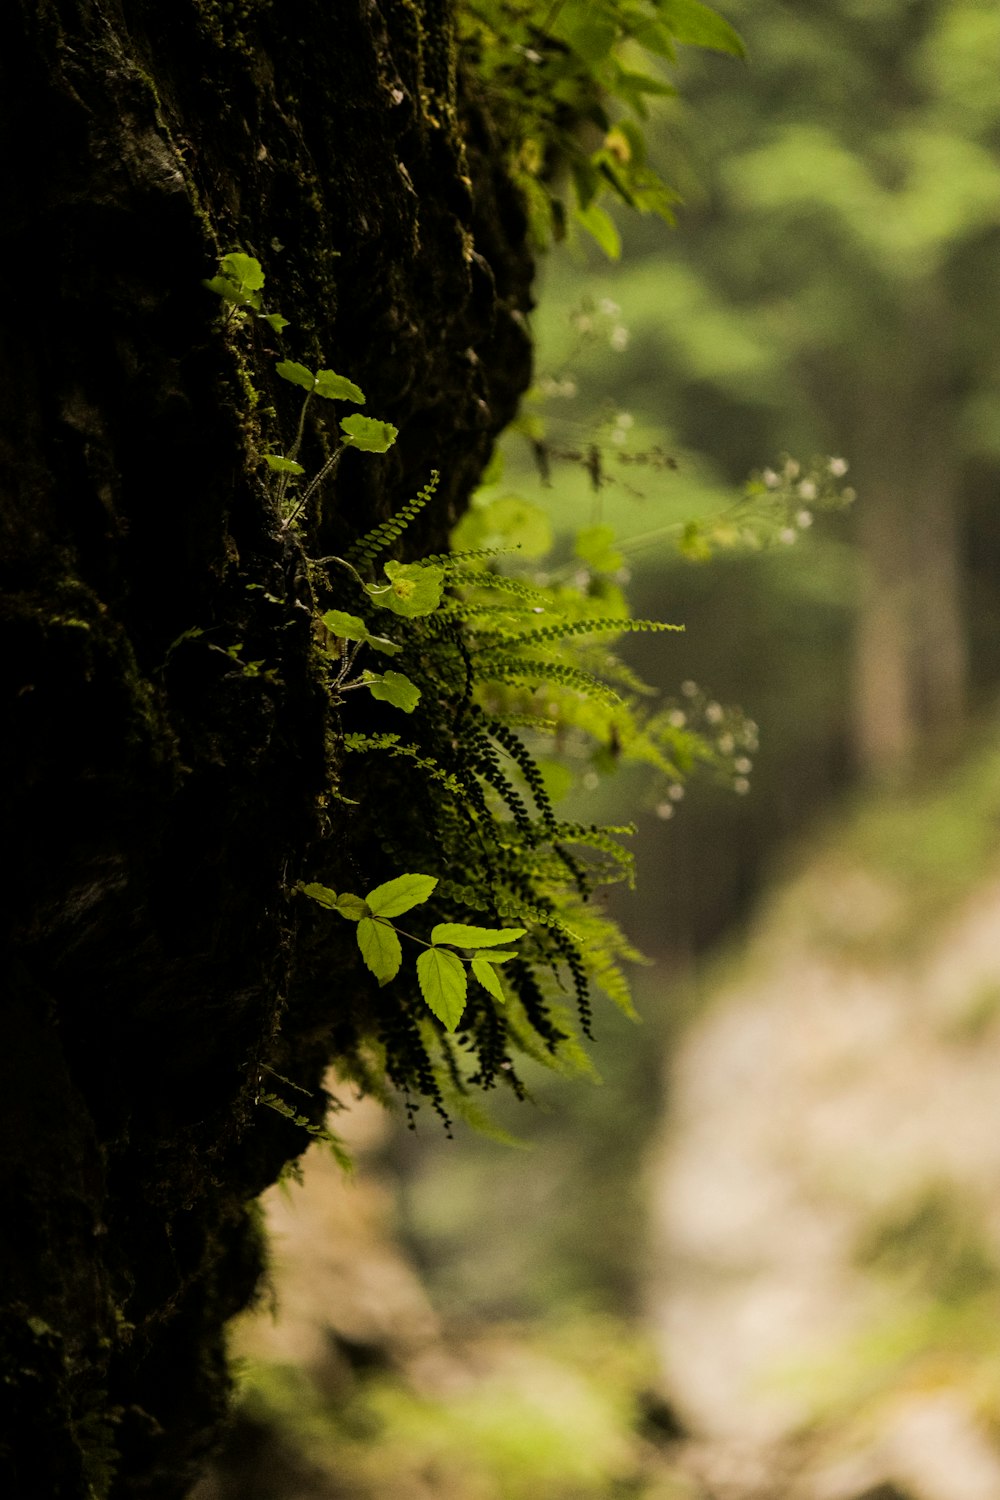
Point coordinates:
pixel 832 1080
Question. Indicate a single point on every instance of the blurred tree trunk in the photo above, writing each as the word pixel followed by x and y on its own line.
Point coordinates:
pixel 157 799
pixel 911 650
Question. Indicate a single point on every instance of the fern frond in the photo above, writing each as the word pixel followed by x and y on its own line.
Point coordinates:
pixel 561 629
pixel 481 578
pixel 392 745
pixel 368 547
pixel 513 669
pixel 527 765
pixel 451 561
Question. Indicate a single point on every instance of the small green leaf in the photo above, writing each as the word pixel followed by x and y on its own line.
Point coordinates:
pixel 698 26
pixel 351 628
pixel 243 269
pixel 396 896
pixel 320 893
pixel 415 589
pixel 227 289
pixel 380 949
pixel 338 388
pixel 394 688
pixel 443 984
pixel 296 373
pixel 388 648
pixel 282 465
pixel 599 224
pixel 352 908
pixel 368 434
pixel 346 627
pixel 276 321
pixel 489 978
pixel 464 936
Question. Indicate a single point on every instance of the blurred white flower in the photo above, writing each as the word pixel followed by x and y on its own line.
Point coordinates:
pixel 807 489
pixel 837 467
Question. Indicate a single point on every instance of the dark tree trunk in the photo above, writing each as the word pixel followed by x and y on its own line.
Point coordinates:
pixel 157 798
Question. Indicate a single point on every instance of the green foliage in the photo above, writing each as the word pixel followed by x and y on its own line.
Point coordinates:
pixel 489 667
pixel 559 75
pixel 440 972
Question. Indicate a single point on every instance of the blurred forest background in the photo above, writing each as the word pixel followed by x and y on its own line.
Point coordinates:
pixel 762 1258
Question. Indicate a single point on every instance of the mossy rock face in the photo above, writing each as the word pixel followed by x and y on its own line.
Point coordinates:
pixel 156 791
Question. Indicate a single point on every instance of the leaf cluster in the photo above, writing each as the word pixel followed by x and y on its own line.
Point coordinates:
pixel 560 74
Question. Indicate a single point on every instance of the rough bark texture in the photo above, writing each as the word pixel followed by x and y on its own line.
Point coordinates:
pixel 156 802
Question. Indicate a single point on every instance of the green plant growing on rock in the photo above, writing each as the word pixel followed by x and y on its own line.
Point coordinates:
pixel 499 675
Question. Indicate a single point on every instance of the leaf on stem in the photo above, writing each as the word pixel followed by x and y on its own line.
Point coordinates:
pixel 394 688
pixel 414 589
pixel 488 977
pixel 282 465
pixel 338 388
pixel 443 984
pixel 297 374
pixel 380 948
pixel 464 936
pixel 368 434
pixel 352 628
pixel 394 897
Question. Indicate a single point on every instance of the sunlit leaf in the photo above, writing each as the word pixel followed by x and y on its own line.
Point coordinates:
pixel 346 627
pixel 282 465
pixel 243 269
pixel 320 893
pixel 380 949
pixel 488 977
pixel 443 984
pixel 394 688
pixel 399 895
pixel 415 589
pixel 289 370
pixel 368 434
pixel 465 936
pixel 338 388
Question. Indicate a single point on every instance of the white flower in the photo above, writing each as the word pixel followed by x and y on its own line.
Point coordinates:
pixel 619 338
pixel 677 718
pixel 741 786
pixel 664 810
pixel 675 792
pixel 568 387
pixel 689 689
pixel 787 536
pixel 624 419
pixel 807 489
pixel 726 744
pixel 849 495
pixel 771 479
pixel 591 781
pixel 838 467
pixel 792 468
pixel 743 764
pixel 803 519
pixel 713 712
pixel 608 308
